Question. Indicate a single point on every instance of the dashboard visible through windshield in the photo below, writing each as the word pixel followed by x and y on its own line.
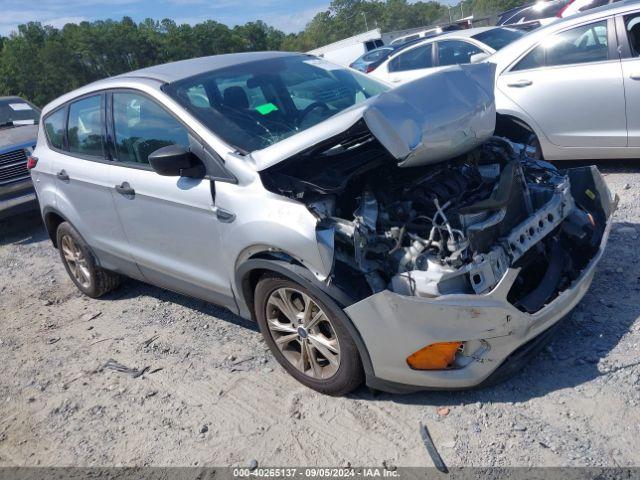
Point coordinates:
pixel 254 105
pixel 15 112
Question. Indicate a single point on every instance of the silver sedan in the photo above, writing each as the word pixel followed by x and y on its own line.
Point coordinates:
pixel 572 89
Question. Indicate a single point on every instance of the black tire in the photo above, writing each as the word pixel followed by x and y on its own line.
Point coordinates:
pixel 99 281
pixel 349 374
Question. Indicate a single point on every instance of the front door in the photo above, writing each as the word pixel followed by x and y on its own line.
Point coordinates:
pixel 571 85
pixel 169 221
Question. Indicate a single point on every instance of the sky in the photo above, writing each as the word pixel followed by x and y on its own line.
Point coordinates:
pixel 287 15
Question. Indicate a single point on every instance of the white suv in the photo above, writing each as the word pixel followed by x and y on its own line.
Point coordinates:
pixel 371 234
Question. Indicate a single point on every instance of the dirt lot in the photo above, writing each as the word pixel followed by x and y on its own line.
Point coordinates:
pixel 213 395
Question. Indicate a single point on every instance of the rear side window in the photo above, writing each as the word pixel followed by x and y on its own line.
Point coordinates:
pixel 632 24
pixel 454 52
pixel 414 59
pixel 54 128
pixel 584 44
pixel 85 127
pixel 142 127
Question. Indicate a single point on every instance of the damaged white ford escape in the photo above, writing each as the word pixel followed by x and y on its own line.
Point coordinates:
pixel 375 235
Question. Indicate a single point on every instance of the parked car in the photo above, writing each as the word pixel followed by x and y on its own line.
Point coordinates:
pixel 368 62
pixel 453 48
pixel 18 134
pixel 390 239
pixel 578 6
pixel 533 15
pixel 426 33
pixel 572 89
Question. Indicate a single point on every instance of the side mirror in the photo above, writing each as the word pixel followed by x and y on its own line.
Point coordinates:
pixel 478 57
pixel 176 161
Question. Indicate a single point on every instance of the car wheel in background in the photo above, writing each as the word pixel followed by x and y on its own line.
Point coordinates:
pixel 534 144
pixel 81 265
pixel 519 132
pixel 307 336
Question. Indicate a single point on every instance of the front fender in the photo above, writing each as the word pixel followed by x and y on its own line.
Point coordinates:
pixel 325 291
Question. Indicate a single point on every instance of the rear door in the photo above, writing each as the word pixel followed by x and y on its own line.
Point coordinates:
pixel 82 179
pixel 629 33
pixel 571 85
pixel 170 222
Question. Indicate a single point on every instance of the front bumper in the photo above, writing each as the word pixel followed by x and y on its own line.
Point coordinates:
pixel 17 197
pixel 393 326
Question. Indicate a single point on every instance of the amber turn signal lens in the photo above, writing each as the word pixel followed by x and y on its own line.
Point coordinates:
pixel 436 356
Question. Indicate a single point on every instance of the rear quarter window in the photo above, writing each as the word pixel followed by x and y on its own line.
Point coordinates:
pixel 54 128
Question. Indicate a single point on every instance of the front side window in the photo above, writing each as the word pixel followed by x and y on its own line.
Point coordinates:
pixel 54 128
pixel 632 25
pixel 85 127
pixel 141 127
pixel 584 44
pixel 587 43
pixel 414 59
pixel 454 52
pixel 256 104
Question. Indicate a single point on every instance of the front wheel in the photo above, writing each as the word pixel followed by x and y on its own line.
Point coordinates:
pixel 533 143
pixel 307 336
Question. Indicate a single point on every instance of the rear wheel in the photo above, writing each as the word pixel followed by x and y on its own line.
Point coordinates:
pixel 307 336
pixel 81 265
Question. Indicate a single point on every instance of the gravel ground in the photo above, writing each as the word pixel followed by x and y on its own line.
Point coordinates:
pixel 213 395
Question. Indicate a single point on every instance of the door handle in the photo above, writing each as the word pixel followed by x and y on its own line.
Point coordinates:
pixel 396 80
pixel 223 215
pixel 62 175
pixel 125 189
pixel 635 76
pixel 520 83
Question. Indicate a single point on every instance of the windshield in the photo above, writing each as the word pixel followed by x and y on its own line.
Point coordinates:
pixel 256 104
pixel 15 112
pixel 497 38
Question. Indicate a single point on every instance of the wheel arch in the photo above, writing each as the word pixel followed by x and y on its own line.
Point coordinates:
pixel 506 122
pixel 52 219
pixel 264 263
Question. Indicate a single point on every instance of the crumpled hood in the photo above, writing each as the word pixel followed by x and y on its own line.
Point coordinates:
pixel 429 120
pixel 10 137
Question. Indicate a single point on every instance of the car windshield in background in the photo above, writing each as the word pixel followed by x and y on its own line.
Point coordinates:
pixel 498 38
pixel 16 112
pixel 254 105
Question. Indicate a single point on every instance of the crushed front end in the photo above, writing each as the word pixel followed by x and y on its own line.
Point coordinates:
pixel 454 265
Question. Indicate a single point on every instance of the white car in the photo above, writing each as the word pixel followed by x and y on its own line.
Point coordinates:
pixel 461 46
pixel 571 90
pixel 578 6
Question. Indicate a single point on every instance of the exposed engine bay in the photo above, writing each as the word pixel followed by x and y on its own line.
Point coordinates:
pixel 452 227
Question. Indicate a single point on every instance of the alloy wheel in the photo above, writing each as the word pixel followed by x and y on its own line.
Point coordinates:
pixel 303 333
pixel 75 259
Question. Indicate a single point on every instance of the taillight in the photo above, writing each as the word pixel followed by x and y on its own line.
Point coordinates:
pixel 31 162
pixel 369 69
pixel 559 14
